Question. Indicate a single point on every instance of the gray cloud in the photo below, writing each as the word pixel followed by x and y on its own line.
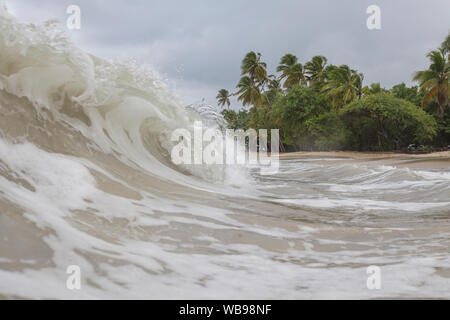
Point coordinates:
pixel 199 44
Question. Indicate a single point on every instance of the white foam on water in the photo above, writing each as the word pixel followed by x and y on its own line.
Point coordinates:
pixel 59 181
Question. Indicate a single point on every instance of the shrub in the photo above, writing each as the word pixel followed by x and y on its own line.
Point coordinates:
pixel 294 115
pixel 383 122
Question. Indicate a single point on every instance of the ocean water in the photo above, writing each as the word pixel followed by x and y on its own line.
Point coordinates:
pixel 86 179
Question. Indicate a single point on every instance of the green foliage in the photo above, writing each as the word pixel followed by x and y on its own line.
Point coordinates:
pixel 292 112
pixel 435 81
pixel 248 92
pixel 253 67
pixel 401 91
pixel 446 44
pixel 327 131
pixel 315 69
pixel 237 120
pixel 291 71
pixel 443 122
pixel 223 98
pixel 322 107
pixel 443 137
pixel 344 85
pixel 254 77
pixel 382 122
pixel 374 88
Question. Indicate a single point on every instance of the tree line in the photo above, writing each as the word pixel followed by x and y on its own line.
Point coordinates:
pixel 320 106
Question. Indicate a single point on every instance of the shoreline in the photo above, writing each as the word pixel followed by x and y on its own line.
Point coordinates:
pixel 429 161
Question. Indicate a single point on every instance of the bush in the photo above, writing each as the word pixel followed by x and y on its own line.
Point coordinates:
pixel 443 123
pixel 294 115
pixel 327 131
pixel 382 122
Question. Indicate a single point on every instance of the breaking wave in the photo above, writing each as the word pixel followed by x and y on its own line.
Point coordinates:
pixel 86 179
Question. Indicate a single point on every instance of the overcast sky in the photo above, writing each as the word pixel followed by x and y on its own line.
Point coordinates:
pixel 198 44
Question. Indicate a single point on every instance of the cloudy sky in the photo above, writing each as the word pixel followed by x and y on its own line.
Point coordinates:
pixel 197 45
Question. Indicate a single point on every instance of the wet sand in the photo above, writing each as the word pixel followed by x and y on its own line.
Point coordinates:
pixel 430 161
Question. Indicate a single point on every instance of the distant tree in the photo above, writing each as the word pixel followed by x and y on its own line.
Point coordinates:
pixel 446 46
pixel 292 72
pixel 253 67
pixel 292 111
pixel 223 98
pixel 383 122
pixel 274 84
pixel 229 115
pixel 273 91
pixel 411 94
pixel 358 84
pixel 237 120
pixel 328 71
pixel 374 88
pixel 434 81
pixel 343 85
pixel 248 92
pixel 315 69
pixel 286 62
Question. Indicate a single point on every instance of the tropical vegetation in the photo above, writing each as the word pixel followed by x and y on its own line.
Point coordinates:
pixel 321 106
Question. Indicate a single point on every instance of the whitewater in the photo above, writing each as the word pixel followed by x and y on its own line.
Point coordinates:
pixel 86 179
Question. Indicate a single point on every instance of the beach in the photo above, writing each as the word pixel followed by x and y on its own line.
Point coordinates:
pixel 430 161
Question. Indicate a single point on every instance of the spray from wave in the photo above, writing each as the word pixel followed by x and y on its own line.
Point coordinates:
pixel 86 179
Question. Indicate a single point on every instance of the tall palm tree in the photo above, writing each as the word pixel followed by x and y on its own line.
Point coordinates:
pixel 343 85
pixel 274 84
pixel 446 45
pixel 291 71
pixel 253 67
pixel 287 61
pixel 248 92
pixel 435 80
pixel 315 69
pixel 358 80
pixel 273 90
pixel 360 90
pixel 223 98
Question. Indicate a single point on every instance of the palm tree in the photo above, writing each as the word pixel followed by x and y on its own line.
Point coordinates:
pixel 287 61
pixel 248 92
pixel 273 90
pixel 358 80
pixel 446 45
pixel 253 67
pixel 360 90
pixel 344 85
pixel 435 80
pixel 291 71
pixel 315 69
pixel 223 98
pixel 274 84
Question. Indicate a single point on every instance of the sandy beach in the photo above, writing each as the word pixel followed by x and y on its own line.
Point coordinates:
pixel 430 161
